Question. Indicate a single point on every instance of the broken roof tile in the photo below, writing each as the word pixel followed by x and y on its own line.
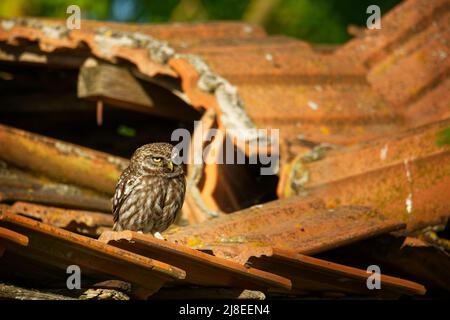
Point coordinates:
pixel 201 268
pixel 14 237
pixel 60 248
pixel 266 67
pixel 84 222
pixel 378 84
pixel 60 160
pixel 407 257
pixel 307 273
pixel 312 274
pixel 305 226
pixel 19 185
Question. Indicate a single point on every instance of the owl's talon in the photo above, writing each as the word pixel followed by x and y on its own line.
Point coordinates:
pixel 158 236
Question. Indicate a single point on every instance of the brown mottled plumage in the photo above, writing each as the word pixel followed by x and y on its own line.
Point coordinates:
pixel 150 191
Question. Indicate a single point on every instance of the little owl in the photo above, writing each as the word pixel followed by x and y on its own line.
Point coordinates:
pixel 150 191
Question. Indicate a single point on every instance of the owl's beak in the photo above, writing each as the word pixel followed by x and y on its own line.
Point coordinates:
pixel 170 165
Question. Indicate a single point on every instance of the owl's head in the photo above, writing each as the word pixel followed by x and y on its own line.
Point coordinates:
pixel 156 159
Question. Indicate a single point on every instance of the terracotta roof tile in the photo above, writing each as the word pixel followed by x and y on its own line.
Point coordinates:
pixel 399 25
pixel 404 175
pixel 312 274
pixel 53 157
pixel 413 258
pixel 79 221
pixel 404 78
pixel 374 87
pixel 60 248
pixel 201 268
pixel 284 82
pixel 305 226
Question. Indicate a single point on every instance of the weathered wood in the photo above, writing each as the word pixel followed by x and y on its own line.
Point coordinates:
pixel 103 294
pixel 118 86
pixel 11 292
pixel 111 84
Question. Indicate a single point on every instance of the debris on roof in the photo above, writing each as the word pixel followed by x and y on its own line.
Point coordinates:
pixel 201 268
pixel 60 160
pixel 363 176
pixel 19 185
pixel 14 292
pixel 56 249
pixel 83 222
pixel 306 273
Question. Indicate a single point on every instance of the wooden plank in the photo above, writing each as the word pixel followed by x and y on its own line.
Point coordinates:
pixel 113 85
pixel 11 292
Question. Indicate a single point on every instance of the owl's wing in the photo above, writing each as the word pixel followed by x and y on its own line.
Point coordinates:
pixel 124 187
pixel 174 198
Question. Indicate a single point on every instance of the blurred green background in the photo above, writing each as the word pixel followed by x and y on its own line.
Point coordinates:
pixel 317 21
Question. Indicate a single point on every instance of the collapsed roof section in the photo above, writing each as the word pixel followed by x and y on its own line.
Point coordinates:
pixel 364 152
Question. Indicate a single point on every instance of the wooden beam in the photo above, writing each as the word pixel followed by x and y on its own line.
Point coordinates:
pixel 112 84
pixel 11 292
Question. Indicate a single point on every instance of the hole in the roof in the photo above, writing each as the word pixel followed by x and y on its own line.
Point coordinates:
pixel 242 185
pixel 44 101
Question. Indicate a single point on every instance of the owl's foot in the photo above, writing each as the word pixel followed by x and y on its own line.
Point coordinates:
pixel 159 236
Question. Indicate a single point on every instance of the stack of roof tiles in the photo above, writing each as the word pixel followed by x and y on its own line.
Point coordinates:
pixel 364 149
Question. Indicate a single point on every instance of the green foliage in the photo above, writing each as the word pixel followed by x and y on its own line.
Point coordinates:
pixel 322 21
pixel 125 131
pixel 225 10
pixel 443 137
pixel 318 21
pixel 98 9
pixel 156 11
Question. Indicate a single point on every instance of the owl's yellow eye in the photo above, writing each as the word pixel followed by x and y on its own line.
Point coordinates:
pixel 156 159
